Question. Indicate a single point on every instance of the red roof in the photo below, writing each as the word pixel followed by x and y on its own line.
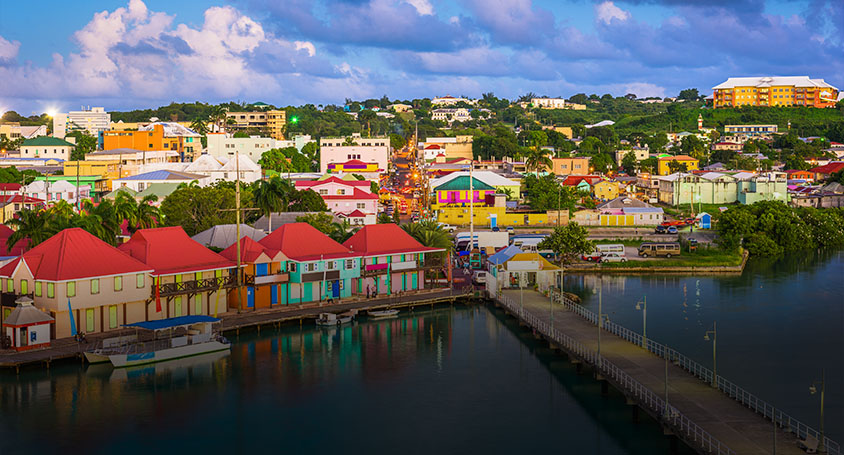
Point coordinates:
pixel 74 254
pixel 250 250
pixel 573 180
pixel 169 250
pixel 303 242
pixel 831 168
pixel 19 247
pixel 20 199
pixel 358 194
pixel 356 214
pixel 10 186
pixel 310 183
pixel 432 147
pixel 353 163
pixel 381 239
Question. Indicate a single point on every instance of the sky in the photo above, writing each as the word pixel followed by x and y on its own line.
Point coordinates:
pixel 128 54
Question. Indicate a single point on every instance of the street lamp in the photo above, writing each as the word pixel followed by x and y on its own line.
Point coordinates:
pixel 714 333
pixel 643 306
pixel 813 390
pixel 601 314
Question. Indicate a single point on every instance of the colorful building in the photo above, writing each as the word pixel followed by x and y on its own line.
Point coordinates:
pixel 664 169
pixel 351 199
pixel 157 136
pixel 774 91
pixel 75 271
pixel 570 166
pixel 459 192
pixel 187 278
pixel 392 260
pixel 605 190
pixel 265 271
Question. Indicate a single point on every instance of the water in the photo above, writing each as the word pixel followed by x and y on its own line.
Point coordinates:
pixel 779 324
pixel 451 380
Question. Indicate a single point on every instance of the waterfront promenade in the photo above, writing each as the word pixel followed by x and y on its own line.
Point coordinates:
pixel 706 418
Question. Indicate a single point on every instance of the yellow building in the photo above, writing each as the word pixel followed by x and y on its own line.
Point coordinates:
pixel 482 215
pixel 605 190
pixel 276 122
pixel 664 169
pixel 107 170
pixel 774 91
pixel 570 166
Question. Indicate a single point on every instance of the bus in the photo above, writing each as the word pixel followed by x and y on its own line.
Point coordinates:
pixel 659 249
pixel 610 248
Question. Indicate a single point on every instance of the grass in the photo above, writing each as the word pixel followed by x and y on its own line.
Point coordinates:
pixel 703 257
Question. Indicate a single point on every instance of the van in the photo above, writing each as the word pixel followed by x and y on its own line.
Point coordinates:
pixel 659 249
pixel 479 277
pixel 613 248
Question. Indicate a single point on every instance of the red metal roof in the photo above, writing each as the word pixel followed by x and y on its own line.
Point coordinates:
pixel 10 186
pixel 250 250
pixel 20 199
pixel 19 247
pixel 303 242
pixel 381 239
pixel 358 194
pixel 356 214
pixel 74 254
pixel 831 168
pixel 169 250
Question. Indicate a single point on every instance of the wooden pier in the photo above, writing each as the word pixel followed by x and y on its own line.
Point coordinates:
pixel 233 323
pixel 724 420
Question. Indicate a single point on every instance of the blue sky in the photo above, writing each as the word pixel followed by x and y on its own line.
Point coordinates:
pixel 125 54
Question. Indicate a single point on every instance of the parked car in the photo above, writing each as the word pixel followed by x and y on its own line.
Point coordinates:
pixel 591 257
pixel 496 229
pixel 510 230
pixel 612 257
pixel 479 277
pixel 671 230
pixel 447 227
pixel 661 229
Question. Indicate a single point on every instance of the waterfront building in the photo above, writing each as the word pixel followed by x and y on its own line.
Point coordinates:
pixel 352 199
pixel 522 270
pixel 265 276
pixel 27 327
pixel 187 278
pixel 92 121
pixel 722 188
pixel 104 287
pixel 319 268
pixel 391 259
pixel 343 149
pixel 774 91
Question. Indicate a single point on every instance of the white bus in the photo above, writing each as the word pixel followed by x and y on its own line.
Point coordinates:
pixel 610 248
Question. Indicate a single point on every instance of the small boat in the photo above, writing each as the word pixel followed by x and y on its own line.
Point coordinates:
pixel 331 319
pixel 382 314
pixel 161 340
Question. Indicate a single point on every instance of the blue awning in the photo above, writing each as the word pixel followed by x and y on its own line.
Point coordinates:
pixel 172 322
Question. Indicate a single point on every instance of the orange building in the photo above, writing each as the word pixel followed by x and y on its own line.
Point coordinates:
pixel 137 140
pixel 774 91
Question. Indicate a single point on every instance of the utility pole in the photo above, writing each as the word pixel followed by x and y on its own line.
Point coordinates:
pixel 471 214
pixel 237 229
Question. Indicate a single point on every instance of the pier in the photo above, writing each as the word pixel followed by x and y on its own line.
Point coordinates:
pixel 673 389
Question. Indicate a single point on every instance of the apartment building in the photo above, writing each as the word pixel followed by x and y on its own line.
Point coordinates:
pixel 449 115
pixel 750 130
pixel 355 147
pixel 46 147
pixel 272 122
pixel 92 121
pixel 774 91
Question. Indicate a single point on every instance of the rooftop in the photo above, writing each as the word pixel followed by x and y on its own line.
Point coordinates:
pixel 303 242
pixel 381 239
pixel 169 250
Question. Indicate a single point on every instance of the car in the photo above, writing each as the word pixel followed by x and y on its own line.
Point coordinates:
pixel 510 230
pixel 672 229
pixel 591 257
pixel 661 229
pixel 612 257
pixel 496 229
pixel 479 277
pixel 447 227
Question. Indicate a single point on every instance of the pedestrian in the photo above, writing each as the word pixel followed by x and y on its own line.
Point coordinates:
pixel 367 291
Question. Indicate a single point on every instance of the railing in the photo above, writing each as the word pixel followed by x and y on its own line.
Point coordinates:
pixel 733 391
pixel 670 416
pixel 202 285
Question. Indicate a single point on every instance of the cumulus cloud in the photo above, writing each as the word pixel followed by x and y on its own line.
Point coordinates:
pixel 606 12
pixel 8 50
pixel 423 7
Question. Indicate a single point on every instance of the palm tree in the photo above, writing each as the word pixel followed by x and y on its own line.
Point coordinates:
pixel 340 232
pixel 273 195
pixel 429 233
pixel 148 215
pixel 537 159
pixel 200 125
pixel 31 224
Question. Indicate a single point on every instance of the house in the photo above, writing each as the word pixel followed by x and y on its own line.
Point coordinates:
pixel 826 171
pixel 621 211
pixel 399 108
pixel 523 270
pixel 449 115
pixel 27 327
pixel 724 145
pixel 499 183
pixel 640 153
pixel 570 166
pixel 319 268
pixel 140 182
pixel 355 147
pixel 14 131
pixel 722 188
pixel 664 168
pixel 461 190
pixel 265 273
pixel 9 189
pixel 452 147
pixel 56 191
pixel 797 174
pixel 343 197
pixel 391 260
pixel 449 100
pixel 46 147
pixel 605 190
pixel 75 271
pixel 187 278
pixel 14 203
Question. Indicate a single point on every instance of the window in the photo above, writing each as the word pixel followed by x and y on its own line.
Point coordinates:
pixel 311 267
pixel 331 265
pixel 24 287
pixel 118 283
pixel 323 192
pixel 350 264
pixel 10 285
pixel 112 317
pixel 291 267
pixel 95 286
pixel 37 289
pixel 139 280
pixel 71 288
pixel 361 205
pixel 51 290
pixel 341 191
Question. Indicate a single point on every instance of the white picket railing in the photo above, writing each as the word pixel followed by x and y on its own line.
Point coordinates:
pixel 691 432
pixel 732 390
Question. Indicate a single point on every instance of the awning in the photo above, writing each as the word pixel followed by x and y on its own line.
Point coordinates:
pixel 172 322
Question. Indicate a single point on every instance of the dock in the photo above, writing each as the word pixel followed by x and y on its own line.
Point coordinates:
pixel 724 420
pixel 67 349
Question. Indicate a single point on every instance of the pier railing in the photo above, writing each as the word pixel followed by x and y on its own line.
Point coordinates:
pixel 751 401
pixel 669 415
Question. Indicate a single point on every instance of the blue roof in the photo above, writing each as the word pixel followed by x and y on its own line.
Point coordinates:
pixel 172 322
pixel 642 210
pixel 504 255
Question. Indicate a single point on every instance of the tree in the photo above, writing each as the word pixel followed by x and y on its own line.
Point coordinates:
pixel 85 144
pixel 396 216
pixel 307 201
pixel 580 98
pixel 568 242
pixel 628 163
pixel 196 209
pixel 29 224
pixel 287 159
pixel 693 147
pixel 546 193
pixel 537 159
pixel 271 196
pixel 397 141
pixel 430 234
pixel 383 218
pixel 323 222
pixel 689 94
pixel 676 166
pixel 649 165
pixel 367 116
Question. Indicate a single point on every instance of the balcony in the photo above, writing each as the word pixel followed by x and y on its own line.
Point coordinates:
pixel 197 286
pixel 431 262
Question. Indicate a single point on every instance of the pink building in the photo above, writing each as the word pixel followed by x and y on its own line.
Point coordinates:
pixel 351 199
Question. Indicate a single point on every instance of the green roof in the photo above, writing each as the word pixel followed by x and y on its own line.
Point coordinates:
pixel 462 184
pixel 113 194
pixel 161 190
pixel 47 141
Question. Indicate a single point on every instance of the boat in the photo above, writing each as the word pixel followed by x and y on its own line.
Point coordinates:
pixel 157 341
pixel 331 319
pixel 382 314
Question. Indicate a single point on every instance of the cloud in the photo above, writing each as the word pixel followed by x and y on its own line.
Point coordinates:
pixel 607 12
pixel 8 51
pixel 423 7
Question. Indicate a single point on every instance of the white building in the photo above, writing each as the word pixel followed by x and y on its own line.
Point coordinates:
pixel 92 121
pixel 142 181
pixel 56 191
pixel 221 145
pixel 449 100
pixel 459 114
pixel 46 147
pixel 368 150
pixel 548 103
pixel 350 199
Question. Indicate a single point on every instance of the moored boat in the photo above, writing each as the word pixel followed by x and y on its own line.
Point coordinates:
pixel 382 314
pixel 331 319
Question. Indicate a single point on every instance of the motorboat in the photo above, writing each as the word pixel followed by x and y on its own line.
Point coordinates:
pixel 157 341
pixel 382 314
pixel 331 319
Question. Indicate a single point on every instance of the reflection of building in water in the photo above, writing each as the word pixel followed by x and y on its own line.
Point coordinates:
pixel 611 283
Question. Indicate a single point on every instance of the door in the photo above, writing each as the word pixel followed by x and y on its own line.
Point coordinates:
pixel 89 320
pixel 335 289
pixel 23 340
pixel 112 317
pixel 403 281
pixel 178 304
pixel 414 280
pixel 250 297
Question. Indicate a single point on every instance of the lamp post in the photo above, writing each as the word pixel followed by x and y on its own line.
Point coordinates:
pixel 601 315
pixel 714 333
pixel 643 305
pixel 813 389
